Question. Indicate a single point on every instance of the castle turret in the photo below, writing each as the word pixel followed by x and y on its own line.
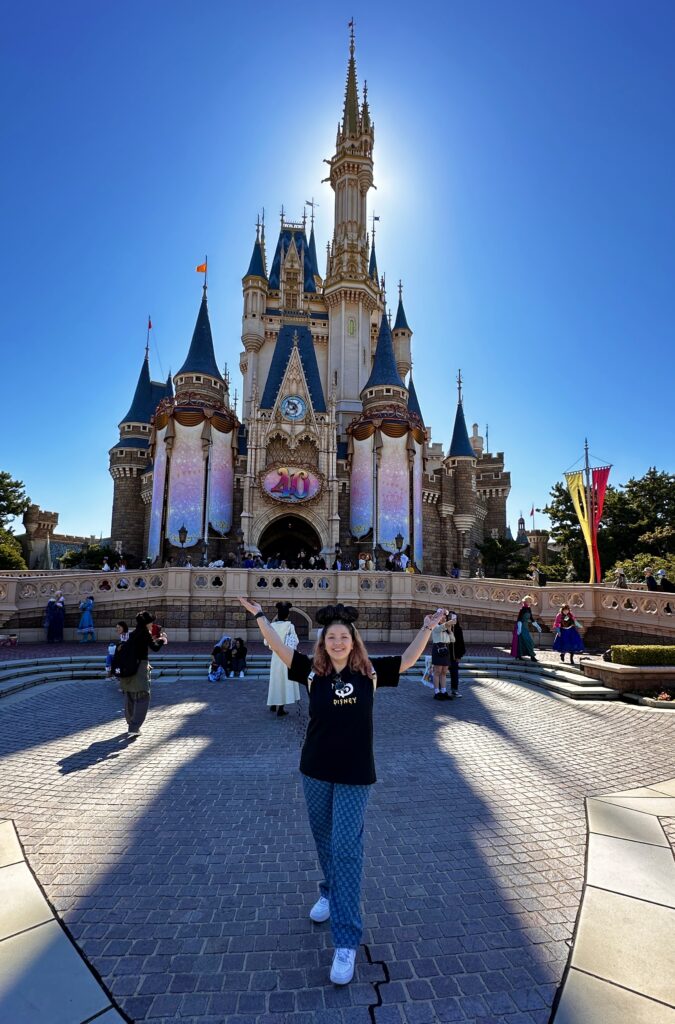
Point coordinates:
pixel 384 386
pixel 402 336
pixel 129 460
pixel 255 287
pixel 199 375
pixel 461 465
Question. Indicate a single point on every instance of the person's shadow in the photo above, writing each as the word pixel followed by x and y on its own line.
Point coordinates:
pixel 95 753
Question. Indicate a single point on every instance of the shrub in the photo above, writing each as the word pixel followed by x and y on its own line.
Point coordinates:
pixel 647 654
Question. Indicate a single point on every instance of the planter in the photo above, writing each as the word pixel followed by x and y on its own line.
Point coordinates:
pixel 630 678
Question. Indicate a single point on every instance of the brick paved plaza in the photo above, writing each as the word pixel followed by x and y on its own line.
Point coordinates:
pixel 183 866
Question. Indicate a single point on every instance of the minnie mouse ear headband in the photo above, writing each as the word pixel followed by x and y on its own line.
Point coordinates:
pixel 344 613
pixel 283 606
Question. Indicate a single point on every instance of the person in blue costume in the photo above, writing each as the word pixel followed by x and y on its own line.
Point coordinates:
pixel 86 625
pixel 567 639
pixel 521 645
pixel 55 616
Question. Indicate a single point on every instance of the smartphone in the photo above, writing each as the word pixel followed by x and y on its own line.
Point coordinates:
pixel 155 630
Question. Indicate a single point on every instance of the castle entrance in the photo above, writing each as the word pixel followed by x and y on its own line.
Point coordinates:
pixel 286 537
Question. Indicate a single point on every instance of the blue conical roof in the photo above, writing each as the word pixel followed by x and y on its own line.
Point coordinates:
pixel 147 396
pixel 256 267
pixel 311 252
pixel 384 365
pixel 140 410
pixel 372 266
pixel 413 402
pixel 401 322
pixel 201 357
pixel 460 446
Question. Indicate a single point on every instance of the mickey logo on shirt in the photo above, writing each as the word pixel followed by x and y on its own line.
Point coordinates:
pixel 346 690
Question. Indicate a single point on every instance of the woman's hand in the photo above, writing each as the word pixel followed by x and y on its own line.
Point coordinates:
pixel 163 637
pixel 252 607
pixel 437 619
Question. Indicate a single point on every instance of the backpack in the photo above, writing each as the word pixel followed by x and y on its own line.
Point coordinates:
pixel 125 662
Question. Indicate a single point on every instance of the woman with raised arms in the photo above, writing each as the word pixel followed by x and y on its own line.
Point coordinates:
pixel 337 762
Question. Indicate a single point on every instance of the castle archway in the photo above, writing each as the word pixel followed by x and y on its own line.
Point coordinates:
pixel 286 536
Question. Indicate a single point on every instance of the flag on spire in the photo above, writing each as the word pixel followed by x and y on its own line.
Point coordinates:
pixel 201 269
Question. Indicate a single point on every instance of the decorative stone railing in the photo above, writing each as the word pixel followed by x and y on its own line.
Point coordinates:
pixel 492 604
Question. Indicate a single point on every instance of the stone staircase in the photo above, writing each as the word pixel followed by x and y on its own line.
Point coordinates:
pixel 174 669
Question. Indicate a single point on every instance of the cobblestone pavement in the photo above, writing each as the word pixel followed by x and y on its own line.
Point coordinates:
pixel 183 866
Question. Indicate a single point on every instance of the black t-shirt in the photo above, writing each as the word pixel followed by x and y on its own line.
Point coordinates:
pixel 338 746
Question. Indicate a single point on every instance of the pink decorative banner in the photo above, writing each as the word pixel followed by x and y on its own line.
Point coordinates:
pixel 221 482
pixel 418 508
pixel 186 486
pixel 393 495
pixel 157 507
pixel 599 480
pixel 361 487
pixel 291 484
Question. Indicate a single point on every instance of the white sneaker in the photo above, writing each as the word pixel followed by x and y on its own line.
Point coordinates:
pixel 320 911
pixel 342 971
pixel 231 675
pixel 241 675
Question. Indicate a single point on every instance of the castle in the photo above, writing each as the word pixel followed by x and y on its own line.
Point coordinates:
pixel 331 449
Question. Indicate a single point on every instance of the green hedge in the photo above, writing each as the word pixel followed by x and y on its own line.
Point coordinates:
pixel 647 654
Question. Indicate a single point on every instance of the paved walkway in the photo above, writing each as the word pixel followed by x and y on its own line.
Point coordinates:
pixel 183 867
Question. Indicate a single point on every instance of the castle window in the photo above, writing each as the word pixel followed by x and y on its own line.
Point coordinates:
pixel 387 391
pixel 198 380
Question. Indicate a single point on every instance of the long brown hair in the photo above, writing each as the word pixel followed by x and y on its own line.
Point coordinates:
pixel 358 658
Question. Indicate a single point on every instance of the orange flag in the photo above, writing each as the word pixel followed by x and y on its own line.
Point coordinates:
pixel 201 269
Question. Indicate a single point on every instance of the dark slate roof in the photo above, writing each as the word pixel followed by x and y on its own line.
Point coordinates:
pixel 256 267
pixel 413 402
pixel 384 364
pixel 311 250
pixel 460 446
pixel 147 396
pixel 285 236
pixel 132 442
pixel 282 353
pixel 401 322
pixel 372 266
pixel 242 441
pixel 201 357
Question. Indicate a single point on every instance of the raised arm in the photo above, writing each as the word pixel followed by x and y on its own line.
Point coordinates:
pixel 420 640
pixel 274 642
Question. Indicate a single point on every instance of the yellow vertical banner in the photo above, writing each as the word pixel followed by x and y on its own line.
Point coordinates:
pixel 575 485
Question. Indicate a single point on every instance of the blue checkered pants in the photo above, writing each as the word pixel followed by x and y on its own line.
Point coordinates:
pixel 336 814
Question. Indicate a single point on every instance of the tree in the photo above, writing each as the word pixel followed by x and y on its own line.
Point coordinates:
pixel 11 555
pixel 13 498
pixel 89 557
pixel 503 558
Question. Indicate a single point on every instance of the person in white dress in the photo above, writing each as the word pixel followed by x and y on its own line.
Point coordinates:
pixel 281 689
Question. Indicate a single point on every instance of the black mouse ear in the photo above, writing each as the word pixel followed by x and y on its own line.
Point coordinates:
pixel 325 615
pixel 349 613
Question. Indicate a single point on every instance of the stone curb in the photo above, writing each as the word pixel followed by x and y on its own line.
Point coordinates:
pixel 620 967
pixel 43 976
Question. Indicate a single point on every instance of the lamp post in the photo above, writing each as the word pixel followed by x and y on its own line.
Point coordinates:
pixel 182 537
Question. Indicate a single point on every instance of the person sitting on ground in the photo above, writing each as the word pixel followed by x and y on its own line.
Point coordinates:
pixel 239 652
pixel 217 666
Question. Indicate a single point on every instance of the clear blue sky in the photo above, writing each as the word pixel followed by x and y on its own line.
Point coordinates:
pixel 524 157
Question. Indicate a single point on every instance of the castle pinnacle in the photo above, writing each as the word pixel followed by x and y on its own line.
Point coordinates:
pixel 460 446
pixel 384 370
pixel 201 357
pixel 350 116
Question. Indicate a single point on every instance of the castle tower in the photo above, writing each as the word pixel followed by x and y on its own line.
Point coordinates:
pixel 402 336
pixel 460 464
pixel 255 287
pixel 129 460
pixel 192 447
pixel 351 291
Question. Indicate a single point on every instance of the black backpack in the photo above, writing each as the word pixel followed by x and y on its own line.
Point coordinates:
pixel 125 661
